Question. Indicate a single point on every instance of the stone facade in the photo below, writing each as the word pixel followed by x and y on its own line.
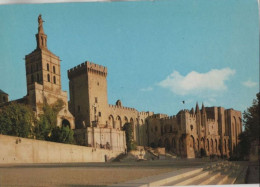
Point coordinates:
pixel 212 129
pixel 44 79
pixel 99 124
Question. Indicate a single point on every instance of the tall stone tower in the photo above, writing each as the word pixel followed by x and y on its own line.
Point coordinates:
pixel 44 79
pixel 88 94
pixel 42 66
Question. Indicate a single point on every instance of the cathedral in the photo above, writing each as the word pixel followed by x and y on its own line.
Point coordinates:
pixel 98 124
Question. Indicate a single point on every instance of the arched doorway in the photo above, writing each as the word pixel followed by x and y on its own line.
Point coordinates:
pixel 65 123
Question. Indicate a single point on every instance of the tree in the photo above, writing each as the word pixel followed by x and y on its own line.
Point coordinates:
pixel 62 135
pixel 130 143
pixel 17 120
pixel 251 119
pixel 251 132
pixel 47 128
pixel 48 120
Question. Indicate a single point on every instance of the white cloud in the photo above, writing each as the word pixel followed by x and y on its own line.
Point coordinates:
pixel 195 82
pixel 249 84
pixel 147 89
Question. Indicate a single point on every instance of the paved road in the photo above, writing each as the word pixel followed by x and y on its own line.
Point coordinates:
pixel 84 174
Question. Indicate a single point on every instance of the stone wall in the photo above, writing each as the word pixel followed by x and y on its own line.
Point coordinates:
pixel 22 150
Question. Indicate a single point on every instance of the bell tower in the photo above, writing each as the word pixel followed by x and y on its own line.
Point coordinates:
pixel 42 66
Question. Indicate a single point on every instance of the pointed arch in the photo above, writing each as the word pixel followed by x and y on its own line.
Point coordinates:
pixel 111 121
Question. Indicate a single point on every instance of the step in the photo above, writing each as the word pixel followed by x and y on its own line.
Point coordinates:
pixel 233 177
pixel 207 179
pixel 214 173
pixel 221 178
pixel 189 179
pixel 162 179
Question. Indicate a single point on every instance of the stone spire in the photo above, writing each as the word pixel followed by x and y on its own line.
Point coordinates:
pixel 192 111
pixel 203 109
pixel 197 108
pixel 41 37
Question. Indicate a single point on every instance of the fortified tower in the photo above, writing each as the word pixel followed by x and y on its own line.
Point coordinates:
pixel 44 79
pixel 88 94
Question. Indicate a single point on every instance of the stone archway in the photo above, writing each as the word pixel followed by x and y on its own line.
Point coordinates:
pixel 111 121
pixel 65 123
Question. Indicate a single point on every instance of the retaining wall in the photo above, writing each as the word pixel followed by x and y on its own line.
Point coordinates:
pixel 23 150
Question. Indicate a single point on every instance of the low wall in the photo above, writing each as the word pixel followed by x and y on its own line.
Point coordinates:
pixel 23 150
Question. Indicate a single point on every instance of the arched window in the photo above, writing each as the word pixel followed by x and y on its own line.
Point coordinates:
pixel 54 69
pixel 49 79
pixel 32 78
pixel 48 67
pixel 54 79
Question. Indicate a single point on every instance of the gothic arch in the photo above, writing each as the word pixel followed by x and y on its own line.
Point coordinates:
pixel 118 124
pixel 125 120
pixel 202 143
pixel 111 121
pixel 131 121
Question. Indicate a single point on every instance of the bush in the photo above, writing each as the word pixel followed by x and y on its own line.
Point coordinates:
pixel 130 143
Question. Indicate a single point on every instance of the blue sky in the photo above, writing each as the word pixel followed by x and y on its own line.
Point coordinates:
pixel 158 53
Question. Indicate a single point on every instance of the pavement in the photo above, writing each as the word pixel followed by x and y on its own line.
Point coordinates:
pixel 90 174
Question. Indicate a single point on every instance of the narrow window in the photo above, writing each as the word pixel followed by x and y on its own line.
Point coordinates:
pixel 49 79
pixel 54 69
pixel 96 99
pixel 99 114
pixel 37 67
pixel 4 99
pixel 42 41
pixel 31 68
pixel 38 78
pixel 54 79
pixel 48 67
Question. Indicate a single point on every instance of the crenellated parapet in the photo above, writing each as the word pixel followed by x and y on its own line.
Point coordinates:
pixel 146 114
pixel 87 67
pixel 121 107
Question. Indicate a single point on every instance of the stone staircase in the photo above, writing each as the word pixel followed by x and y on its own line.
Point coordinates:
pixel 217 173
